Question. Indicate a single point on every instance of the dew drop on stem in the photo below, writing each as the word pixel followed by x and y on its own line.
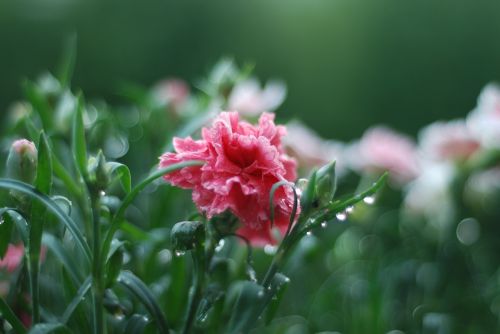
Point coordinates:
pixel 341 216
pixel 369 200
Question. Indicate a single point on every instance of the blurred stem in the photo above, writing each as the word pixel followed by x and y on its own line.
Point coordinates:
pixel 196 289
pixel 97 281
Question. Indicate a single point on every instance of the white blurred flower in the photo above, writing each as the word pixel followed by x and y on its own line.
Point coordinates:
pixel 430 194
pixel 484 121
pixel 483 188
pixel 382 149
pixel 172 91
pixel 447 141
pixel 248 98
pixel 310 150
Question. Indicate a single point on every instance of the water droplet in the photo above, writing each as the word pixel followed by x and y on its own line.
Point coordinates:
pixel 102 193
pixel 119 316
pixel 468 231
pixel 324 224
pixel 260 294
pixel 145 318
pixel 309 233
pixel 220 245
pixel 251 274
pixel 369 200
pixel 287 280
pixel 349 209
pixel 179 253
pixel 165 256
pixel 341 216
pixel 1 221
pixel 312 221
pixel 270 249
pixel 301 186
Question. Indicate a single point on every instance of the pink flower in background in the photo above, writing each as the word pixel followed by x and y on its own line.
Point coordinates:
pixel 248 98
pixel 243 161
pixel 12 258
pixel 310 150
pixel 382 149
pixel 447 141
pixel 430 195
pixel 174 92
pixel 484 121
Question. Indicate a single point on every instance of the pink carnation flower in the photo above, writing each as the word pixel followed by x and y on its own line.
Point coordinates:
pixel 382 149
pixel 447 141
pixel 243 162
pixel 12 258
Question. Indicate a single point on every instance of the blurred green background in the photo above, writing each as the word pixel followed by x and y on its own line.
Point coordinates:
pixel 348 64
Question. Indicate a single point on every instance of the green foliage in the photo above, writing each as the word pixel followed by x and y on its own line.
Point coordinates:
pixel 97 238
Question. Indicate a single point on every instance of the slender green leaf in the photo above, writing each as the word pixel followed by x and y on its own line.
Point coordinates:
pixel 9 315
pixel 134 285
pixel 54 208
pixel 67 65
pixel 43 184
pixel 79 146
pixel 39 103
pixel 122 173
pixel 79 297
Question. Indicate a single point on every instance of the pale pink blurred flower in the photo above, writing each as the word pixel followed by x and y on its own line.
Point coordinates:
pixel 484 121
pixel 242 163
pixel 447 141
pixel 12 258
pixel 311 150
pixel 248 98
pixel 174 92
pixel 382 149
pixel 483 188
pixel 430 194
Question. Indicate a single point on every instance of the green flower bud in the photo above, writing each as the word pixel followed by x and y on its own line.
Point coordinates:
pixel 98 171
pixel 326 184
pixel 22 161
pixel 187 235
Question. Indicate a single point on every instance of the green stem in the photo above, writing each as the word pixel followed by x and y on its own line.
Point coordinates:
pixel 196 289
pixel 97 281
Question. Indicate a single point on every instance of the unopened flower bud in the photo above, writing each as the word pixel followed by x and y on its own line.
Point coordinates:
pixel 187 235
pixel 22 161
pixel 326 184
pixel 98 172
